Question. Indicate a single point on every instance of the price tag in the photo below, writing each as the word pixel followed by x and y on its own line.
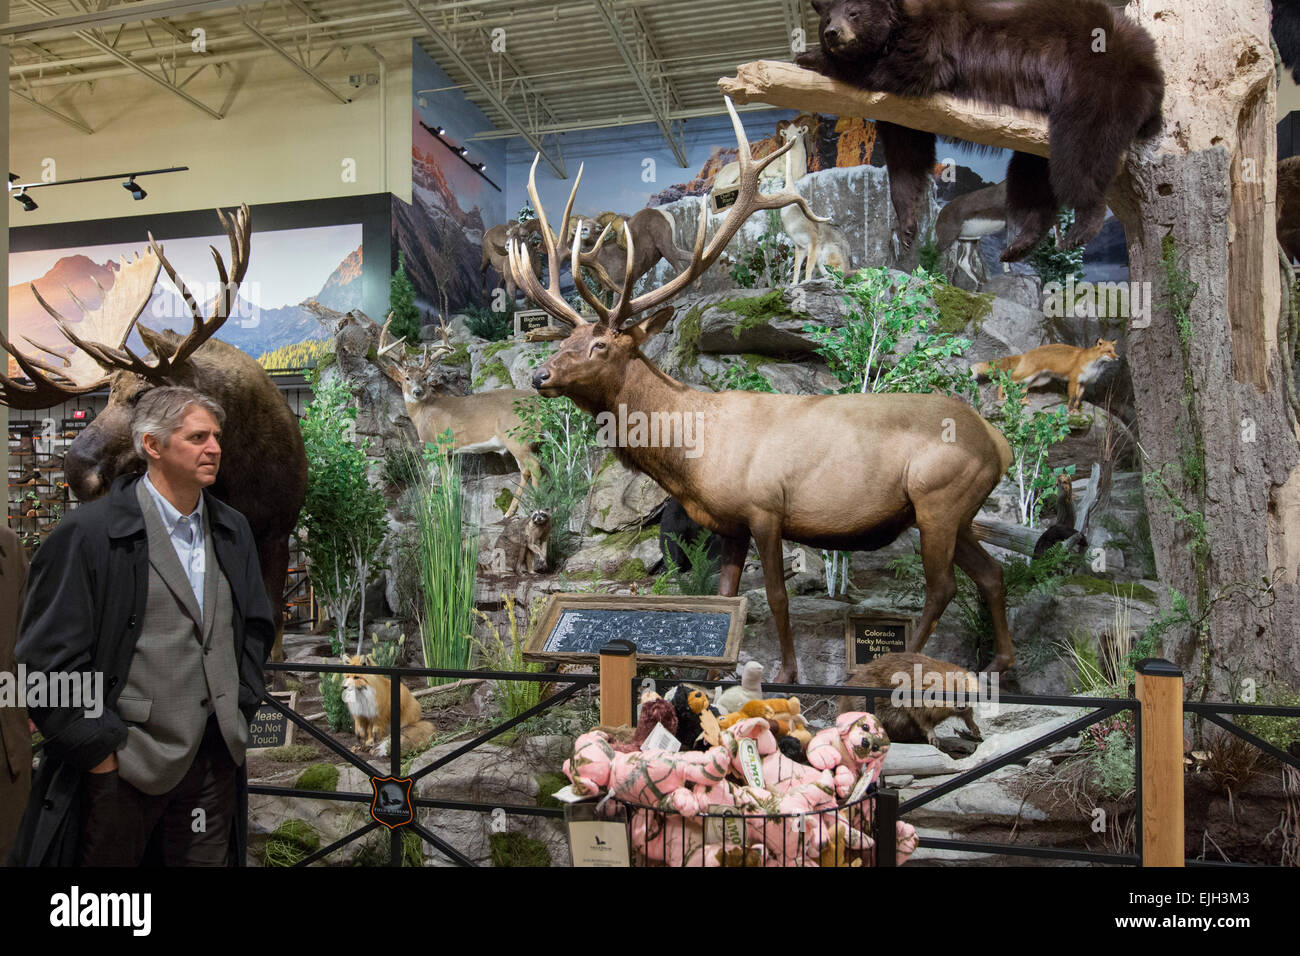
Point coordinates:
pixel 661 739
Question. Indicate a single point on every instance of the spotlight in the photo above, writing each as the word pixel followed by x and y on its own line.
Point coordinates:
pixel 480 166
pixel 27 201
pixel 440 131
pixel 135 189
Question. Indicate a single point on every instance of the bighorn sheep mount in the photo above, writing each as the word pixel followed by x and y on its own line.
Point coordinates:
pixel 480 423
pixel 868 467
pixel 263 465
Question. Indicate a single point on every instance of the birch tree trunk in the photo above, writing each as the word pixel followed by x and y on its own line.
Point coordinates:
pixel 1221 447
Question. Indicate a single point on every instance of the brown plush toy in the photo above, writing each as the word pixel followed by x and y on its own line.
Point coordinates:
pixel 785 711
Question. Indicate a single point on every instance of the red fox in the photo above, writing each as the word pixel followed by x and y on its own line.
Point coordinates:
pixel 1069 363
pixel 369 698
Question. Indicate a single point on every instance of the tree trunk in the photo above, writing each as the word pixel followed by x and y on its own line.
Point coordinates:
pixel 1219 443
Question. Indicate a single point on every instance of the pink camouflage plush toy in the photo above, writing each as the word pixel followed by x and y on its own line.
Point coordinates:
pixel 653 778
pixel 856 743
pixel 780 773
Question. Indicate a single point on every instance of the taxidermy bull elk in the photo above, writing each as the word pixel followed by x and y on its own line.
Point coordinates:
pixel 263 471
pixel 840 472
pixel 480 423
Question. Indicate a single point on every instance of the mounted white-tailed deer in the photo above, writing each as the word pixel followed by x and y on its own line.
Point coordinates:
pixel 814 239
pixel 841 472
pixel 479 423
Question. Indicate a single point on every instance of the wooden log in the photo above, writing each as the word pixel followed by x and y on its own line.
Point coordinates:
pixel 1006 534
pixel 1160 691
pixel 793 87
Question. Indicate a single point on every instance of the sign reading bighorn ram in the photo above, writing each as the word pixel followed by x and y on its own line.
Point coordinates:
pixel 263 465
pixel 841 472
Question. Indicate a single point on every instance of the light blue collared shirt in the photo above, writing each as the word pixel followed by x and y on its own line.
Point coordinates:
pixel 186 533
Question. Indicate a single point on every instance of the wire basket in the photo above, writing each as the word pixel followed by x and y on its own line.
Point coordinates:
pixel 835 836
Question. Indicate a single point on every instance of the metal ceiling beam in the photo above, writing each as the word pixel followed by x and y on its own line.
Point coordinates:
pixel 637 49
pixel 293 61
pixel 88 37
pixel 62 117
pixel 485 89
pixel 112 16
pixel 624 119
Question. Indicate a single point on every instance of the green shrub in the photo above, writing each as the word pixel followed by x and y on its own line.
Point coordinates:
pixel 1281 732
pixel 290 843
pixel 514 697
pixel 401 302
pixel 489 324
pixel 702 575
pixel 331 693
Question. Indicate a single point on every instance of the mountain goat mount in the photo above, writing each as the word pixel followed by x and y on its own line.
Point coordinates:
pixel 867 467
pixel 263 464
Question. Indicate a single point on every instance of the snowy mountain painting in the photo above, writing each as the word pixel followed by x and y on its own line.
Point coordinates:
pixel 287 269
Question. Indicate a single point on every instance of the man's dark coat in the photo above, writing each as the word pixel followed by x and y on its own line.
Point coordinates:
pixel 85 604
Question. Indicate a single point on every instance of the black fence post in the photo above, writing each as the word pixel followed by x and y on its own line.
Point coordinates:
pixel 886 827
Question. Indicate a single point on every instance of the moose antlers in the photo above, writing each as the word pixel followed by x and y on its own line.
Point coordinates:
pixel 117 315
pixel 749 201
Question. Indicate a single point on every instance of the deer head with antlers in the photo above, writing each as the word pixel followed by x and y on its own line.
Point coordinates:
pixel 264 466
pixel 480 423
pixel 846 472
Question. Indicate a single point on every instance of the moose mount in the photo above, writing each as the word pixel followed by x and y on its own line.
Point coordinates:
pixel 264 465
pixel 868 466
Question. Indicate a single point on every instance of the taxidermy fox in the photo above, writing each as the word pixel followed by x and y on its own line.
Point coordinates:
pixel 369 698
pixel 1068 363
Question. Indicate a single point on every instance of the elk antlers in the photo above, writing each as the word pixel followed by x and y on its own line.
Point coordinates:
pixel 117 315
pixel 749 201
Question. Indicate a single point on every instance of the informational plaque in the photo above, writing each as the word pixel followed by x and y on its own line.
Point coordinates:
pixel 597 837
pixel 689 631
pixel 870 634
pixel 528 319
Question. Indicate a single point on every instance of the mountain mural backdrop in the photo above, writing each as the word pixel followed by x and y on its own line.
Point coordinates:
pixel 258 327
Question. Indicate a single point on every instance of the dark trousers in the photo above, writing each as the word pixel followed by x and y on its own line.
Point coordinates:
pixel 126 827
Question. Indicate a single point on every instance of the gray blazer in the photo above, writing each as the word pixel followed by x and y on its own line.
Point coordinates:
pixel 183 669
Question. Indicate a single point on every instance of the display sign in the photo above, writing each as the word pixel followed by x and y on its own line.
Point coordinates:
pixel 689 631
pixel 869 634
pixel 269 726
pixel 528 319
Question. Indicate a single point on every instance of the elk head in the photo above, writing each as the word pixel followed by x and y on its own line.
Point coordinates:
pixel 590 364
pixel 103 450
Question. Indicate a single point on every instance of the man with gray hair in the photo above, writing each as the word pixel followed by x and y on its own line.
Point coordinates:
pixel 157 587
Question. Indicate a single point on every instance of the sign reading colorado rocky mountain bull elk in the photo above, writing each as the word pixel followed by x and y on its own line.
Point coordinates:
pixel 868 635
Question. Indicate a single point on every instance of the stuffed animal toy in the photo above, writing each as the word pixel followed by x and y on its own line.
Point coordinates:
pixel 751 688
pixel 780 773
pixel 786 711
pixel 690 702
pixel 654 778
pixel 856 742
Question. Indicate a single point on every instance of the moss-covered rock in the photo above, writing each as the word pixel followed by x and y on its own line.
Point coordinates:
pixel 503 499
pixel 494 368
pixel 518 849
pixel 496 348
pixel 688 337
pixel 633 570
pixel 319 776
pixel 959 309
pixel 1131 590
pixel 547 786
pixel 758 310
pixel 291 754
pixel 458 357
